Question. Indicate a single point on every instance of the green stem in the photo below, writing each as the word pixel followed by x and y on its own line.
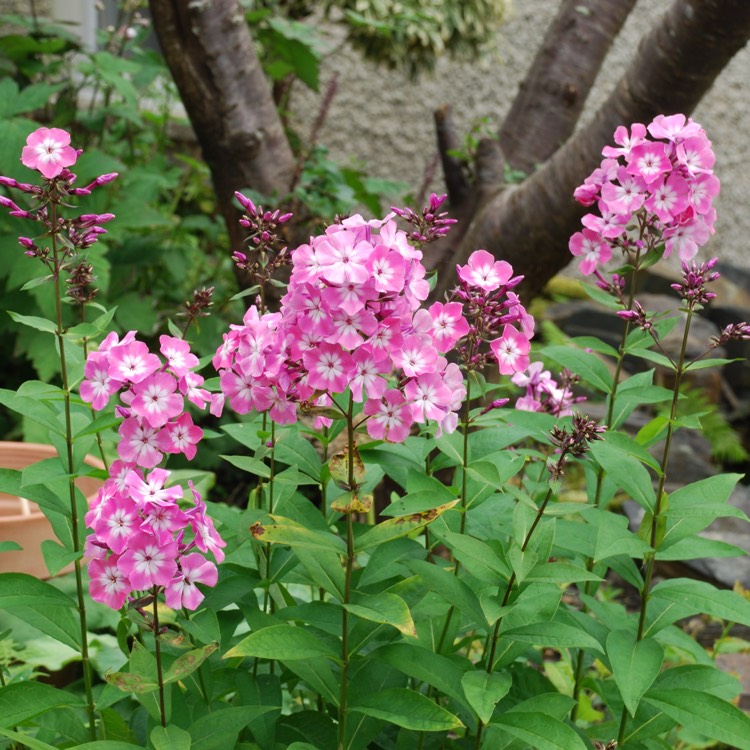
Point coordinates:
pixel 343 697
pixel 650 559
pixel 70 466
pixel 157 652
pixel 588 586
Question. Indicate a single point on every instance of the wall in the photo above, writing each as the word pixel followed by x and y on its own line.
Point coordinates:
pixel 384 121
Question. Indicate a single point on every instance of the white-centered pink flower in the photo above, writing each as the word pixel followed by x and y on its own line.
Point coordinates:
pixel 483 271
pixel 511 351
pixel 108 584
pixel 157 399
pixel 182 591
pixel 147 562
pixel 48 150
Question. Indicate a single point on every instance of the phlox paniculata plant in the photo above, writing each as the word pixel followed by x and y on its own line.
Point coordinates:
pixel 142 537
pixel 354 317
pixel 656 186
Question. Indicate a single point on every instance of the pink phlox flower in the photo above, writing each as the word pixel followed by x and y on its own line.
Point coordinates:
pixel 163 521
pixel 343 258
pixel 108 584
pixel 151 490
pixel 696 155
pixel 321 422
pixel 368 375
pixel 190 386
pixel 98 386
pixel 329 367
pixel 591 248
pixel 207 538
pixel 180 436
pixel 532 377
pixel 157 399
pixel 139 443
pixel 351 329
pixel 149 561
pixel 686 239
pixel 388 269
pixel 182 591
pixel 396 239
pixel 416 356
pixel 389 417
pixel 626 140
pixel 283 409
pixel 351 297
pixel 511 351
pixel 624 196
pixel 118 522
pixel 48 150
pixel 307 264
pixel 483 271
pixel 245 392
pixel 448 324
pixel 668 198
pixel 673 127
pixel 217 404
pixel 416 287
pixel 178 355
pixel 132 362
pixel 649 160
pixel 225 353
pixel 429 397
pixel 387 338
pixel 702 190
pixel 609 225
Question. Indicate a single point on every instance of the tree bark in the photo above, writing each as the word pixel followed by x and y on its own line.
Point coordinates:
pixel 529 224
pixel 551 97
pixel 210 53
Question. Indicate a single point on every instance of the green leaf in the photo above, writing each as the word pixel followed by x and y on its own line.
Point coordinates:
pixel 385 608
pixel 41 605
pixel 294 535
pixel 635 665
pixel 591 369
pixel 20 701
pixel 33 321
pixel 408 709
pixel 170 738
pixel 26 740
pixel 627 472
pixel 186 664
pixel 249 464
pixel 282 642
pixel 425 665
pixel 705 714
pixel 9 546
pixel 699 596
pixel 484 690
pixel 218 730
pixel 56 556
pixel 554 635
pixel 540 731
pixel 398 527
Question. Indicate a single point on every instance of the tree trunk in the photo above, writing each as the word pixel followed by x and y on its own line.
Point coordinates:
pixel 551 97
pixel 529 224
pixel 208 48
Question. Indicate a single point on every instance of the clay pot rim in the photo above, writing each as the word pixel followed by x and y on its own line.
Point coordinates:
pixel 51 452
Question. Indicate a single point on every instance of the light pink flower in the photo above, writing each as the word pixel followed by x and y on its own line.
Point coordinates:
pixel 156 399
pixel 108 584
pixel 389 417
pixel 48 150
pixel 98 386
pixel 591 248
pixel 132 362
pixel 484 271
pixel 177 353
pixel 511 351
pixel 181 591
pixel 147 562
pixel 180 436
pixel 139 443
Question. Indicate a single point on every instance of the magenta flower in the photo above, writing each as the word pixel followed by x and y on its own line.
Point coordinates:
pixel 181 591
pixel 48 150
pixel 98 386
pixel 591 248
pixel 147 562
pixel 389 417
pixel 108 583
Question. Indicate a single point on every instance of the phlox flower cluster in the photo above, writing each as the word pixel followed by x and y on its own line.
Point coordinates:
pixel 544 393
pixel 352 318
pixel 139 528
pixel 656 185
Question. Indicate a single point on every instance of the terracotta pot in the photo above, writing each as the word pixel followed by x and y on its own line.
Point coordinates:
pixel 21 521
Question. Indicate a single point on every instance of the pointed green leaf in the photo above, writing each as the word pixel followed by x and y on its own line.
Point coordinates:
pixel 218 730
pixel 24 700
pixel 282 642
pixel 484 690
pixel 554 635
pixel 385 608
pixel 635 665
pixel 540 731
pixel 408 709
pixel 32 321
pixel 699 596
pixel 705 714
pixel 170 738
pixel 394 528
